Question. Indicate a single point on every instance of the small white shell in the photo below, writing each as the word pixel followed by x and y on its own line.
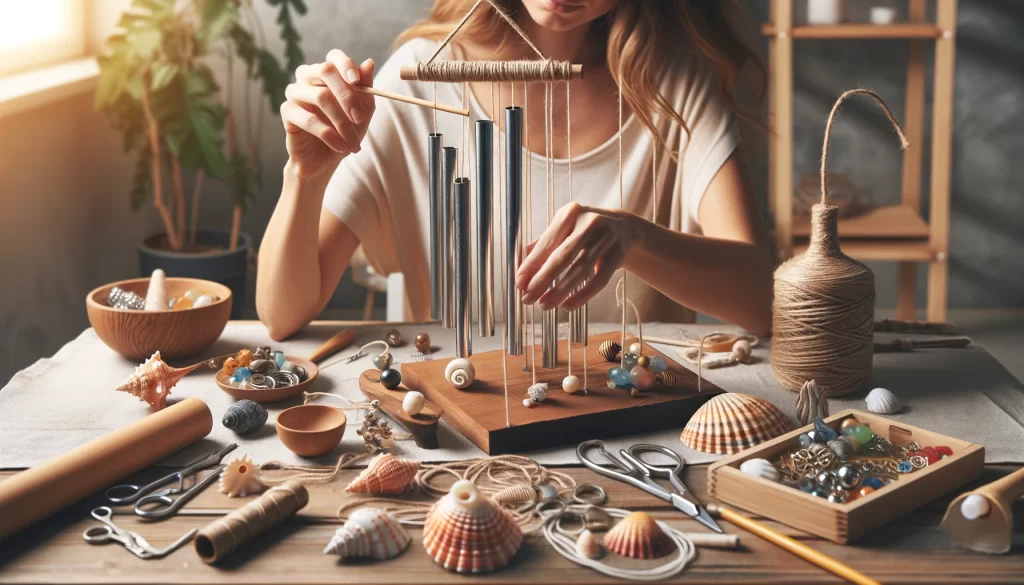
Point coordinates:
pixel 241 477
pixel 761 468
pixel 538 392
pixel 587 546
pixel 369 533
pixel 883 401
pixel 570 384
pixel 460 373
pixel 741 350
pixel 413 402
pixel 975 506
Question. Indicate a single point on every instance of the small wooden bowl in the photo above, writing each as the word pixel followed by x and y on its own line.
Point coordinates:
pixel 311 429
pixel 175 334
pixel 271 394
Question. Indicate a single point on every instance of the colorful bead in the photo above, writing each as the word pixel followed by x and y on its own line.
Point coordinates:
pixel 629 361
pixel 658 364
pixel 393 337
pixel 848 476
pixel 182 303
pixel 641 377
pixel 863 434
pixel 634 392
pixel 819 493
pixel 636 349
pixel 620 377
pixel 422 343
pixel 904 467
pixel 848 423
pixel 643 361
pixel 826 480
pixel 390 378
pixel 874 482
pixel 943 450
pixel 241 374
pixel 865 490
pixel 278 357
pixel 192 294
pixel 382 361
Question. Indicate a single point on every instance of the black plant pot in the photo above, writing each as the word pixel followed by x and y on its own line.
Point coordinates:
pixel 228 267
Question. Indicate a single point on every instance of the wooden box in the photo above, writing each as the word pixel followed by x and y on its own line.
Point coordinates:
pixel 843 523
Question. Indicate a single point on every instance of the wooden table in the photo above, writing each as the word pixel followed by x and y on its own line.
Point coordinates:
pixel 909 550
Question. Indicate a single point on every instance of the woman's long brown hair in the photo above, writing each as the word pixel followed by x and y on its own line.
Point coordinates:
pixel 643 38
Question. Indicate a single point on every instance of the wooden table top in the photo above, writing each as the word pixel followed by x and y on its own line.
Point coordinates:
pixel 911 549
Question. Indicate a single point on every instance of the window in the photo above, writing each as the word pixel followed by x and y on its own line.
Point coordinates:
pixel 36 33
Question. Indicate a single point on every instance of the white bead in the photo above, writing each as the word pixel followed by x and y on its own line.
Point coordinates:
pixel 413 402
pixel 528 402
pixel 570 384
pixel 741 350
pixel 202 301
pixel 975 506
pixel 635 348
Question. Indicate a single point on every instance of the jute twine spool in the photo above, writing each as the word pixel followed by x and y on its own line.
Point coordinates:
pixel 823 312
pixel 220 538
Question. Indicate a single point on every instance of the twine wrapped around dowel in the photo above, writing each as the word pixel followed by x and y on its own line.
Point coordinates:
pixel 823 312
pixel 221 537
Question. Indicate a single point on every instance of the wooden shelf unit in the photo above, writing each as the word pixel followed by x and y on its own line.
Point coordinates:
pixel 898 233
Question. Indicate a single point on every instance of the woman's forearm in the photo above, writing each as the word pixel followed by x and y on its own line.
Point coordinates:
pixel 726 279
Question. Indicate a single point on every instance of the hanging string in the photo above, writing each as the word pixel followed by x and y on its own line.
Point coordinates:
pixel 434 110
pixel 448 38
pixel 501 238
pixel 622 301
pixel 530 318
pixel 312 473
pixel 465 129
pixel 622 358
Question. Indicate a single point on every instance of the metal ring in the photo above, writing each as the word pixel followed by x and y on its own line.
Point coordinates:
pixel 550 515
pixel 597 499
pixel 574 514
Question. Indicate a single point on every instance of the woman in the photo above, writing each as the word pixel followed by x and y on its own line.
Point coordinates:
pixel 357 171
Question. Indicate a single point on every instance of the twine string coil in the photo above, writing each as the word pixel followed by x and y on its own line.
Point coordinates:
pixel 221 537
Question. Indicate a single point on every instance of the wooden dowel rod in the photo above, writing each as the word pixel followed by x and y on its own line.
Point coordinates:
pixel 411 73
pixel 404 98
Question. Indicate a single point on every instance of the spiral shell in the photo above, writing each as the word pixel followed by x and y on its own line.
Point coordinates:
pixel 468 533
pixel 386 474
pixel 730 423
pixel 460 373
pixel 152 381
pixel 240 478
pixel 609 350
pixel 761 468
pixel 244 417
pixel 666 379
pixel 538 392
pixel 841 448
pixel 587 546
pixel 515 494
pixel 883 401
pixel 638 536
pixel 369 533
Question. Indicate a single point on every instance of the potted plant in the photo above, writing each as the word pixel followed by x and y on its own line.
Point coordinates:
pixel 157 88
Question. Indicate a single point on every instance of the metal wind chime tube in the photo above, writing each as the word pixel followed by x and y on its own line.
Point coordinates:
pixel 485 236
pixel 513 226
pixel 549 338
pixel 578 334
pixel 463 320
pixel 434 177
pixel 448 158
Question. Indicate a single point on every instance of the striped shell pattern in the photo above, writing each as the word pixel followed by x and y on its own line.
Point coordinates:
pixel 386 474
pixel 466 532
pixel 638 536
pixel 730 423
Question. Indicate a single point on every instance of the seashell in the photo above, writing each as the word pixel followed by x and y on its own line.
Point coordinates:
pixel 369 533
pixel 413 402
pixel 609 350
pixel 515 494
pixel 741 350
pixel 730 423
pixel 883 401
pixel 460 373
pixel 538 392
pixel 841 448
pixel 240 477
pixel 468 533
pixel 156 293
pixel 244 417
pixel 638 536
pixel 588 547
pixel 811 403
pixel 761 468
pixel 386 474
pixel 152 381
pixel 666 379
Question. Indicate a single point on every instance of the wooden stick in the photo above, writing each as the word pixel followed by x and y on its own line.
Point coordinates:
pixel 411 73
pixel 336 343
pixel 801 550
pixel 912 344
pixel 900 326
pixel 402 98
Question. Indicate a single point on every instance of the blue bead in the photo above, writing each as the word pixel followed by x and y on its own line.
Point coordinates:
pixel 905 467
pixel 874 482
pixel 658 364
pixel 241 374
pixel 619 376
pixel 278 358
pixel 819 493
pixel 827 432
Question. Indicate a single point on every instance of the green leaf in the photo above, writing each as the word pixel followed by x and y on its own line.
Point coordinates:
pixel 145 43
pixel 109 85
pixel 162 74
pixel 299 6
pixel 217 17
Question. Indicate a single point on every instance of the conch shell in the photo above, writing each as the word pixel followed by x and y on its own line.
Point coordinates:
pixel 152 381
pixel 386 474
pixel 240 478
pixel 369 533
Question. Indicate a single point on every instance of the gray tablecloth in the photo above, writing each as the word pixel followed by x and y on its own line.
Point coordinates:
pixel 64 401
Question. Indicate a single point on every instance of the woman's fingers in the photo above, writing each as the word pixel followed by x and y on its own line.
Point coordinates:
pixel 561 226
pixel 606 268
pixel 299 119
pixel 580 271
pixel 340 73
pixel 558 261
pixel 319 98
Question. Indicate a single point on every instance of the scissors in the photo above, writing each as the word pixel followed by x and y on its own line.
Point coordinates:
pixel 635 471
pixel 132 541
pixel 157 505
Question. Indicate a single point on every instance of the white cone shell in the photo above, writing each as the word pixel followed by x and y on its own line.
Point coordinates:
pixel 369 533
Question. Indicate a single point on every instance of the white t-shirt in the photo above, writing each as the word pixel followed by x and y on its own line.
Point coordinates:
pixel 380 193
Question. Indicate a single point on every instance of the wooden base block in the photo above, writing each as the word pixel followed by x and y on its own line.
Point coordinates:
pixel 478 412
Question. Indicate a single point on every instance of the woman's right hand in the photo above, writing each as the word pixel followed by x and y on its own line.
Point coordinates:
pixel 325 119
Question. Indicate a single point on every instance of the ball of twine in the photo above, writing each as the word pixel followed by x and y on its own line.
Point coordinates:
pixel 823 310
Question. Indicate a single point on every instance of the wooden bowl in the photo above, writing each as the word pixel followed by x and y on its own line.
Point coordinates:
pixel 175 334
pixel 311 429
pixel 271 394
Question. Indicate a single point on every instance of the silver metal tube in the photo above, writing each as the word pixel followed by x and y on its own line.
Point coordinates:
pixel 463 277
pixel 449 155
pixel 578 320
pixel 484 234
pixel 434 189
pixel 513 226
pixel 549 338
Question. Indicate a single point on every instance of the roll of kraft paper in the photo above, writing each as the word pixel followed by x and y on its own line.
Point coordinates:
pixel 45 489
pixel 222 537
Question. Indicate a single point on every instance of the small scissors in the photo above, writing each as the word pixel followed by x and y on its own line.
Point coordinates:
pixel 160 505
pixel 638 473
pixel 130 540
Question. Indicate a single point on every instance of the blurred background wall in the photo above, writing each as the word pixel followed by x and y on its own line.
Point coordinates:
pixel 66 227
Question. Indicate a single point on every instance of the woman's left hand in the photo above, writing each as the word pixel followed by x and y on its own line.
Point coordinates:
pixel 585 246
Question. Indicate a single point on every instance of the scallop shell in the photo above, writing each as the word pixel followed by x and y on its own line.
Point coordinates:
pixel 460 373
pixel 638 536
pixel 609 350
pixel 152 381
pixel 515 494
pixel 730 423
pixel 666 379
pixel 240 478
pixel 244 417
pixel 811 403
pixel 369 533
pixel 587 546
pixel 468 533
pixel 538 392
pixel 386 474
pixel 156 293
pixel 761 468
pixel 883 401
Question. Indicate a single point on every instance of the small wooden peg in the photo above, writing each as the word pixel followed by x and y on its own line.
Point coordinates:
pixel 422 427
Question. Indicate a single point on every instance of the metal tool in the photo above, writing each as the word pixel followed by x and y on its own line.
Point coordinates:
pixel 157 505
pixel 635 471
pixel 132 541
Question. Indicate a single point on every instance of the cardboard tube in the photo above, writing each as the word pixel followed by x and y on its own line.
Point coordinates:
pixel 45 489
pixel 222 537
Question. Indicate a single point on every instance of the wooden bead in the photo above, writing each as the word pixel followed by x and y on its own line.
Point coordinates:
pixel 422 343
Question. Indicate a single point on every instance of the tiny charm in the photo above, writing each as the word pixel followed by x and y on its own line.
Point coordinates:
pixel 848 476
pixel 741 350
pixel 643 361
pixel 460 373
pixel 394 338
pixel 538 392
pixel 244 417
pixel 374 430
pixel 382 361
pixel 609 350
pixel 570 384
pixel 422 343
pixel 390 378
pixel 413 402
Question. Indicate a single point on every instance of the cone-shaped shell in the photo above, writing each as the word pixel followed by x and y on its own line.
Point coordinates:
pixel 468 533
pixel 609 350
pixel 666 379
pixel 730 423
pixel 638 536
pixel 240 478
pixel 152 381
pixel 386 474
pixel 369 533
pixel 515 494
pixel 156 294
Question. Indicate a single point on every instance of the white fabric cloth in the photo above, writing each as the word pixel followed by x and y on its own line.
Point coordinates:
pixel 64 401
pixel 380 193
